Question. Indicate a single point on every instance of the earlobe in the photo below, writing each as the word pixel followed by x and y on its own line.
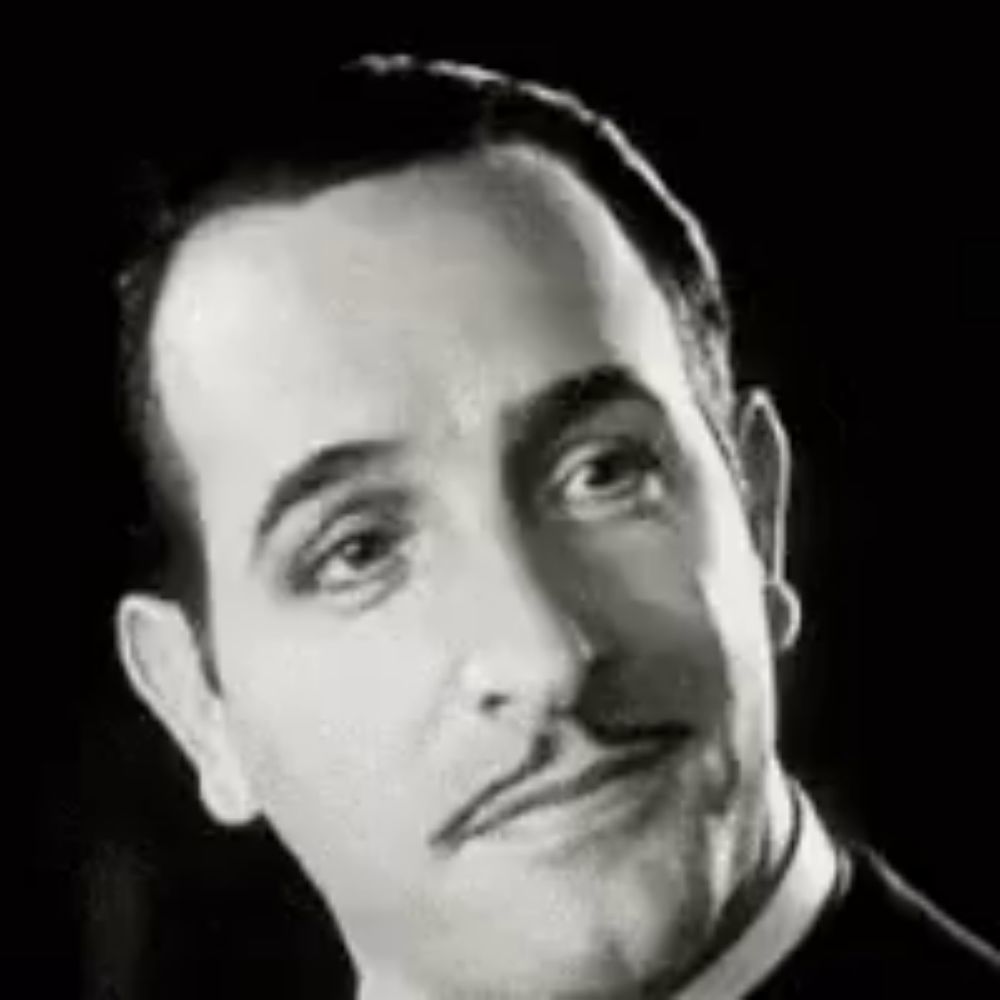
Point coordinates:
pixel 225 792
pixel 784 612
pixel 165 666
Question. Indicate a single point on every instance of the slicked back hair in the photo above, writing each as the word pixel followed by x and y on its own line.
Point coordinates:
pixel 376 115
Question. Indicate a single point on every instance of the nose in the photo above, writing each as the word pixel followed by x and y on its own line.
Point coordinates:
pixel 528 652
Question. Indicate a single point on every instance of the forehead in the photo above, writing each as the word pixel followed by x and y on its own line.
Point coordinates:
pixel 411 304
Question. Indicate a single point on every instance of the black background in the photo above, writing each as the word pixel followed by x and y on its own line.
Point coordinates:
pixel 845 184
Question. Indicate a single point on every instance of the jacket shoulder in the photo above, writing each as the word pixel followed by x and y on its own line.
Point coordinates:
pixel 881 937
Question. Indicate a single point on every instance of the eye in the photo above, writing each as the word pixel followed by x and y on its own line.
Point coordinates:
pixel 365 556
pixel 608 477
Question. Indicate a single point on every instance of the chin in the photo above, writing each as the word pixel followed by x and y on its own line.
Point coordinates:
pixel 633 914
pixel 576 954
pixel 610 923
pixel 609 915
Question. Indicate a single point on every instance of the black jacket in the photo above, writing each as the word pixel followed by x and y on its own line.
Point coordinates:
pixel 878 937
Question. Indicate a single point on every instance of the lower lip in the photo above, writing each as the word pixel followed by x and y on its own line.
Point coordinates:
pixel 621 802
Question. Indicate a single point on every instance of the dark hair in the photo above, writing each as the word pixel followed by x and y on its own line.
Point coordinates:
pixel 384 113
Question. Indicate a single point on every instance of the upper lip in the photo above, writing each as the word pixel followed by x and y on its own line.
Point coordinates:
pixel 493 808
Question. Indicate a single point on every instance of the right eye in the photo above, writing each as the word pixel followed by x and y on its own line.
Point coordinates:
pixel 364 555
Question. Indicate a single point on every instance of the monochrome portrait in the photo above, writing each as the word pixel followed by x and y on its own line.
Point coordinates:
pixel 536 561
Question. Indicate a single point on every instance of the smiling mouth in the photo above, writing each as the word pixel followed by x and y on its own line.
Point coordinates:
pixel 493 810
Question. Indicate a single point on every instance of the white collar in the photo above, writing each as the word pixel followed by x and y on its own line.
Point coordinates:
pixel 782 924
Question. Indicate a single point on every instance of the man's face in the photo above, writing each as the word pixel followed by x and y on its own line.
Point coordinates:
pixel 484 604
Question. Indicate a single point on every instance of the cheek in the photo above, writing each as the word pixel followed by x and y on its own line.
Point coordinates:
pixel 325 701
pixel 680 605
pixel 661 631
pixel 328 723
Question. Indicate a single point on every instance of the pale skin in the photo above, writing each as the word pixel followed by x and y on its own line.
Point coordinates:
pixel 484 575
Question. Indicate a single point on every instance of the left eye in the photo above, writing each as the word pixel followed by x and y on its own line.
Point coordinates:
pixel 608 476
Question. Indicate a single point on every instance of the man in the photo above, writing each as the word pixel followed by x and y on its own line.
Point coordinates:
pixel 477 575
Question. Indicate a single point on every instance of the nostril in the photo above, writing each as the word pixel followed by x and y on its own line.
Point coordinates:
pixel 492 702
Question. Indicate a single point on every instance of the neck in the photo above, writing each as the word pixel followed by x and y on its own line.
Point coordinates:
pixel 767 862
pixel 763 863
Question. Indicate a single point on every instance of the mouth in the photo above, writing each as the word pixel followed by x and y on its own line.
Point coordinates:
pixel 500 806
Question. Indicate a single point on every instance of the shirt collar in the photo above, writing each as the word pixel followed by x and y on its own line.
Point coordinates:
pixel 784 921
pixel 782 924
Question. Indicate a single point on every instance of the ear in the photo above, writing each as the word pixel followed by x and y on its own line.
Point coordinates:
pixel 166 666
pixel 765 459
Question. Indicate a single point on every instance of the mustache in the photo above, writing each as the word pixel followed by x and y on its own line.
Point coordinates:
pixel 541 780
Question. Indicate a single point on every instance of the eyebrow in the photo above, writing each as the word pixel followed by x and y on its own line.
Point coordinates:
pixel 540 417
pixel 572 399
pixel 322 470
